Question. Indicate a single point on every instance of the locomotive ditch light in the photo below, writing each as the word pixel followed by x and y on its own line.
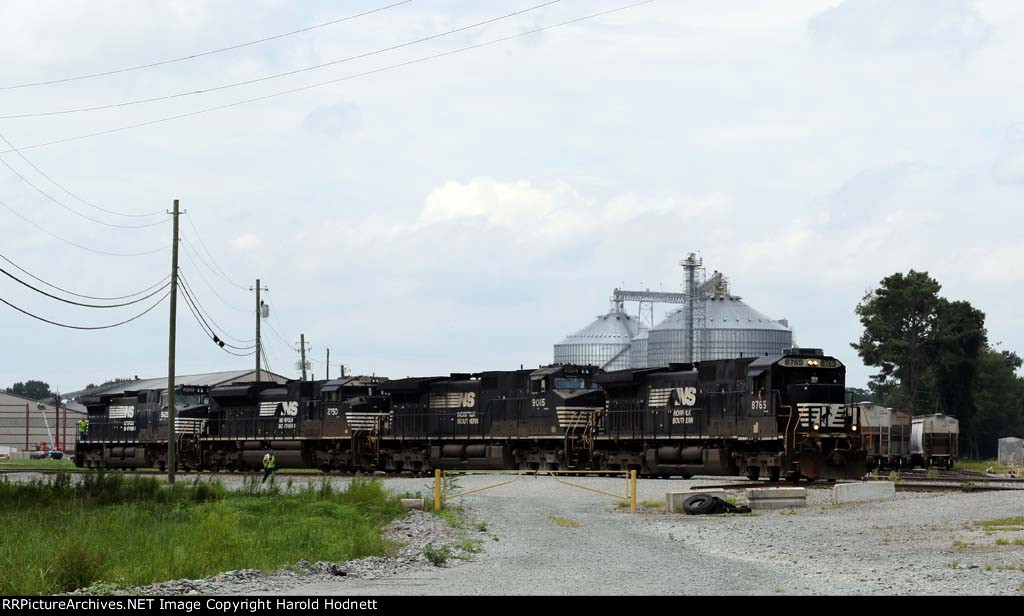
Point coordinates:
pixel 817 426
pixel 854 427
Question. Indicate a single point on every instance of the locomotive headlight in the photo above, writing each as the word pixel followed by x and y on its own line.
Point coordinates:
pixel 854 427
pixel 817 426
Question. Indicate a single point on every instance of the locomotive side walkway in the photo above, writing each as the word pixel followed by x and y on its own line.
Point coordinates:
pixel 914 543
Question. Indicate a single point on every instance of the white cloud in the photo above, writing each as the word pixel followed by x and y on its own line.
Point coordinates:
pixel 246 242
pixel 906 25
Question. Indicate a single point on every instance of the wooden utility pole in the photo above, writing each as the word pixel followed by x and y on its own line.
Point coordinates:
pixel 171 461
pixel 328 364
pixel 302 351
pixel 259 315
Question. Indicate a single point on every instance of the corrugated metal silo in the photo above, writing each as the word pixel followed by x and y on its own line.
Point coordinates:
pixel 638 349
pixel 605 343
pixel 727 328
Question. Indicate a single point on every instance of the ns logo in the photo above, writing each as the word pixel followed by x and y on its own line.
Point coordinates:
pixel 290 409
pixel 467 399
pixel 685 396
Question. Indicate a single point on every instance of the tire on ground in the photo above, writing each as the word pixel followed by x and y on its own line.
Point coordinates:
pixel 700 504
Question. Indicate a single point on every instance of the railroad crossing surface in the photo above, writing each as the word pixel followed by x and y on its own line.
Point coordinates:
pixel 553 539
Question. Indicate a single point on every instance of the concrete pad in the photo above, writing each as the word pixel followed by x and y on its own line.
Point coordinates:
pixel 862 491
pixel 674 500
pixel 776 498
pixel 413 503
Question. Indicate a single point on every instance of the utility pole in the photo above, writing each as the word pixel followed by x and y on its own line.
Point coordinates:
pixel 328 364
pixel 171 461
pixel 302 351
pixel 259 315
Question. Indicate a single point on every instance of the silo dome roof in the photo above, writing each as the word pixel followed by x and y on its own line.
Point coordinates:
pixel 616 327
pixel 725 312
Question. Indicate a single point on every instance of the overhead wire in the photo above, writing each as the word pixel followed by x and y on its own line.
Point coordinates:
pixel 210 286
pixel 333 81
pixel 82 304
pixel 81 327
pixel 187 288
pixel 81 246
pixel 210 254
pixel 71 209
pixel 204 326
pixel 204 53
pixel 73 195
pixel 63 290
pixel 276 75
pixel 195 253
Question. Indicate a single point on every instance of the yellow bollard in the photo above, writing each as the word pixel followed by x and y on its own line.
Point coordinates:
pixel 632 492
pixel 437 489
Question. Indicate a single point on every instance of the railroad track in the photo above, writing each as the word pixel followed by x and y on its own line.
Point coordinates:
pixel 903 485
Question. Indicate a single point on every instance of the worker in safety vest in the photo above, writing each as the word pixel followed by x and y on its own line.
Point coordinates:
pixel 269 465
pixel 83 427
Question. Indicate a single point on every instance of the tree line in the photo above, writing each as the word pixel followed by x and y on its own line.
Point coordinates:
pixel 934 356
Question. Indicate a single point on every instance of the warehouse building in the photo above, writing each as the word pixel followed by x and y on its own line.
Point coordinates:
pixel 29 425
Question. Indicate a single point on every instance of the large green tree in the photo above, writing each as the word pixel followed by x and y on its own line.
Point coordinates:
pixel 35 390
pixel 899 319
pixel 958 338
pixel 1000 399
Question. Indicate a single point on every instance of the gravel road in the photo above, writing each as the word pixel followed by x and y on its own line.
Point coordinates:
pixel 905 545
pixel 543 537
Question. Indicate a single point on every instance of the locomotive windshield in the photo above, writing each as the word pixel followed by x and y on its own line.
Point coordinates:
pixel 570 383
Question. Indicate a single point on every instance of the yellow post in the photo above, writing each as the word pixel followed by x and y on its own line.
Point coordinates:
pixel 437 489
pixel 632 492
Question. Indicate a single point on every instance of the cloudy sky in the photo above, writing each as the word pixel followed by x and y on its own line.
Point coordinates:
pixel 467 212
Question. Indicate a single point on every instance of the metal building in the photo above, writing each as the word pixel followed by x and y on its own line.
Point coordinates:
pixel 638 349
pixel 605 343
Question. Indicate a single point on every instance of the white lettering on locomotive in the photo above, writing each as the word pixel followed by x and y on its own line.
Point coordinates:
pixel 672 396
pixel 467 418
pixel 453 400
pixel 682 416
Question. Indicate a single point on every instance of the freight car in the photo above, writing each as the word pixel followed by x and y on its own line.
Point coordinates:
pixel 886 435
pixel 934 440
pixel 772 416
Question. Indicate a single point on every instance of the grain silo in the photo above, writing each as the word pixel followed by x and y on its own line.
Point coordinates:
pixel 604 343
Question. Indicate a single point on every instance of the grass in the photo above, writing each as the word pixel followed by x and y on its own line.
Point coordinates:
pixel 650 504
pixel 107 531
pixel 437 556
pixel 37 465
pixel 565 522
pixel 980 466
pixel 1001 524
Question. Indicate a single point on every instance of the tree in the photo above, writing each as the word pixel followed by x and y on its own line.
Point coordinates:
pixel 1000 399
pixel 34 390
pixel 958 338
pixel 899 318
pixel 857 394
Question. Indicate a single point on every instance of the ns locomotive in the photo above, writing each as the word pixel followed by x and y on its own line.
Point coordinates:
pixel 769 416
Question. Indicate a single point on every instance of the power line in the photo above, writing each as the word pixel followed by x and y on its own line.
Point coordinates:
pixel 84 305
pixel 204 53
pixel 73 195
pixel 70 209
pixel 63 290
pixel 210 254
pixel 80 327
pixel 281 338
pixel 274 76
pixel 209 332
pixel 199 271
pixel 203 312
pixel 333 81
pixel 223 277
pixel 80 246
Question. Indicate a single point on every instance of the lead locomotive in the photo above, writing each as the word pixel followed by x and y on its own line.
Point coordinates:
pixel 769 416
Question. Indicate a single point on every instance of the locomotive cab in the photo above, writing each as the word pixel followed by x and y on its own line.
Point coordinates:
pixel 821 433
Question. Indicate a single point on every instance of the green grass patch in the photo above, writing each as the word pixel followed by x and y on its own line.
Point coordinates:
pixel 1002 524
pixel 37 465
pixel 980 466
pixel 106 530
pixel 650 504
pixel 565 522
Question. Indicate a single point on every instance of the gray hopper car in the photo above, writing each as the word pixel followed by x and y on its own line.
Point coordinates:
pixel 934 440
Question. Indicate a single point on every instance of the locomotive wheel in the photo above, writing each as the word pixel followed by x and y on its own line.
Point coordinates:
pixel 753 473
pixel 700 504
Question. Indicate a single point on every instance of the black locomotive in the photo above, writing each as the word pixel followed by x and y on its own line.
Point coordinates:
pixel 769 416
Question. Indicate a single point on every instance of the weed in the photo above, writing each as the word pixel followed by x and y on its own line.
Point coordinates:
pixel 649 504
pixel 1002 542
pixel 565 522
pixel 437 556
pixel 894 476
pixel 778 590
pixel 472 546
pixel 933 473
pixel 968 486
pixel 481 527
